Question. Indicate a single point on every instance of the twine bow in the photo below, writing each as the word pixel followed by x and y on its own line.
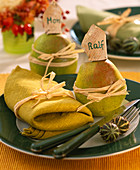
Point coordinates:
pixel 118 21
pixel 48 93
pixel 67 52
pixel 97 94
pixel 51 91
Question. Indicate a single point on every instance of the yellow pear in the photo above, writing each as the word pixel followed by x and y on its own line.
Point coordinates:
pixel 99 74
pixel 49 44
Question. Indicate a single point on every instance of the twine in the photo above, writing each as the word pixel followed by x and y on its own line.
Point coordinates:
pixel 118 21
pixel 97 94
pixel 48 93
pixel 65 53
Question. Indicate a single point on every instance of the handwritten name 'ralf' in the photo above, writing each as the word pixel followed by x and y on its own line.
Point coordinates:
pixel 98 45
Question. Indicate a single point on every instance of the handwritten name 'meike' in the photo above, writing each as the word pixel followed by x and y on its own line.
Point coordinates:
pixel 95 45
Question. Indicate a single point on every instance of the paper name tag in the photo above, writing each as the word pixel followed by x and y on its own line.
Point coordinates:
pixel 52 19
pixel 94 44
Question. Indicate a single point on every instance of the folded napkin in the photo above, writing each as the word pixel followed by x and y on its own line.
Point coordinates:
pixel 88 16
pixel 54 115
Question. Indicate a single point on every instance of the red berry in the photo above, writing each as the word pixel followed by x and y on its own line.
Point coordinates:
pixel 62 25
pixel 9 14
pixel 62 13
pixel 8 21
pixel 67 12
pixel 67 30
pixel 64 17
pixel 15 29
pixel 4 29
pixel 21 29
pixel 26 9
pixel 28 28
pixel 40 1
pixel 42 10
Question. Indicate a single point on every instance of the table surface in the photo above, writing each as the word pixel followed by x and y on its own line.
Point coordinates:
pixel 11 159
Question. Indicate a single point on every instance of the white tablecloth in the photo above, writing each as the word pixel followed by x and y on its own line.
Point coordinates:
pixel 9 61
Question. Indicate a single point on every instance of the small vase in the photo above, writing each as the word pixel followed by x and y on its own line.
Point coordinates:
pixel 19 44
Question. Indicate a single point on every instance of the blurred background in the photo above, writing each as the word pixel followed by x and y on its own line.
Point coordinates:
pixel 9 61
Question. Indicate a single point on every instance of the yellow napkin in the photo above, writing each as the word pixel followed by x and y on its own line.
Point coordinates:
pixel 57 114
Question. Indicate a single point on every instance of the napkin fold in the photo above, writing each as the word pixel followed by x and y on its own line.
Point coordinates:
pixel 55 115
pixel 88 16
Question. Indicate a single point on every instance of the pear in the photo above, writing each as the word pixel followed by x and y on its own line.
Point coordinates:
pixel 98 74
pixel 52 43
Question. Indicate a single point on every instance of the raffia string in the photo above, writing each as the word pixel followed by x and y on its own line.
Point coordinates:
pixel 67 52
pixel 51 91
pixel 118 21
pixel 48 93
pixel 97 94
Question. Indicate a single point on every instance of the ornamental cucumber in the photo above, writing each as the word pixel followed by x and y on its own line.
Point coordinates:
pixel 131 45
pixel 115 43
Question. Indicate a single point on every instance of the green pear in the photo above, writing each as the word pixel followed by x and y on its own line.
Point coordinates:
pixel 95 75
pixel 51 44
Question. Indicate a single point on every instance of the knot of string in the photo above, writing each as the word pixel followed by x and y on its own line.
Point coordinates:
pixel 117 21
pixel 97 94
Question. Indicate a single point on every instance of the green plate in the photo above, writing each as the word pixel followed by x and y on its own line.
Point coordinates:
pixel 10 135
pixel 77 35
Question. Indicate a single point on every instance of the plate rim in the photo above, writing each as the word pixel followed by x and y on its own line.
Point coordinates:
pixel 135 146
pixel 124 58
